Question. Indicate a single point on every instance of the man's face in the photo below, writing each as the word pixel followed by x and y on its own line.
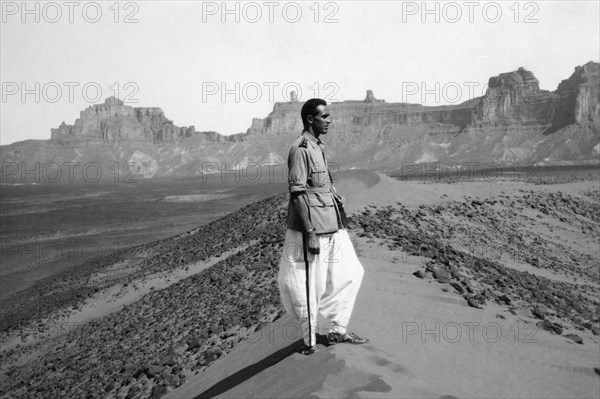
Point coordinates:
pixel 321 121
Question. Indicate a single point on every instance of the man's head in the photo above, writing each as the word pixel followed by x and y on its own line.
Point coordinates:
pixel 315 116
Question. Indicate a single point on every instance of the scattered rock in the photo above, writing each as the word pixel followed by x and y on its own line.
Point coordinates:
pixel 441 274
pixel 194 343
pixel 504 299
pixel 473 304
pixel 522 311
pixel 537 312
pixel 214 352
pixel 133 391
pixel 419 274
pixel 457 287
pixel 110 387
pixel 547 325
pixel 158 391
pixel 153 370
pixel 575 338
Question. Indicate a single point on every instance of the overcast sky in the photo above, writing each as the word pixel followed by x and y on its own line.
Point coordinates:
pixel 179 55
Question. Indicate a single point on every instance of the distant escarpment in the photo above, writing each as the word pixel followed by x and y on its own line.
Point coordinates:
pixel 515 122
pixel 511 98
pixel 116 122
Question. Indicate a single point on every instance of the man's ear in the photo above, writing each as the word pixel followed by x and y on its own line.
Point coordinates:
pixel 310 119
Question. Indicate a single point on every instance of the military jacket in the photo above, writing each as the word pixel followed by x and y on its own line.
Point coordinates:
pixel 308 174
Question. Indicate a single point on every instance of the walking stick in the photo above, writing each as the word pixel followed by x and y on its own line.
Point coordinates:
pixel 305 249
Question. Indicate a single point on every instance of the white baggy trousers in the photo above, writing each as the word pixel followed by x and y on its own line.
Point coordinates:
pixel 328 287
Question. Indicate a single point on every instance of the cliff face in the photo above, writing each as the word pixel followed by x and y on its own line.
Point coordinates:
pixel 515 122
pixel 578 98
pixel 514 97
pixel 114 122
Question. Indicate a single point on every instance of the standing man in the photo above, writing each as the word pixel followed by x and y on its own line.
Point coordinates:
pixel 319 271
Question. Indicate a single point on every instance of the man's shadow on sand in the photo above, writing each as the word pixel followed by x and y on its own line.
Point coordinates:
pixel 250 371
pixel 321 365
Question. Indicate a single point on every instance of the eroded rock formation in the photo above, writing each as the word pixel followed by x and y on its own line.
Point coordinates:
pixel 371 98
pixel 115 122
pixel 578 98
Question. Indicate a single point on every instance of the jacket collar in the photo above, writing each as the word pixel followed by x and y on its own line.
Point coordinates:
pixel 312 138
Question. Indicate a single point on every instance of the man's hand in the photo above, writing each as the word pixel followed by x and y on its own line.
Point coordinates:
pixel 313 243
pixel 339 198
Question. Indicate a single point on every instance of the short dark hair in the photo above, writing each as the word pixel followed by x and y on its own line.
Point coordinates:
pixel 310 108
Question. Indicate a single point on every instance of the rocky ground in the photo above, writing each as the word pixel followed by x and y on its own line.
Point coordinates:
pixel 170 333
pixel 70 287
pixel 530 251
pixel 473 246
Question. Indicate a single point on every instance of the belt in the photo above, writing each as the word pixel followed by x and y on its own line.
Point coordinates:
pixel 318 190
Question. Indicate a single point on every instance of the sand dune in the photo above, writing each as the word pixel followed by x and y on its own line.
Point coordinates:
pixel 424 342
pixel 444 321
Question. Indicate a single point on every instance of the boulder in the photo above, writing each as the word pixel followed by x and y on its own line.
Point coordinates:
pixel 575 338
pixel 419 274
pixel 547 325
pixel 442 274
pixel 158 391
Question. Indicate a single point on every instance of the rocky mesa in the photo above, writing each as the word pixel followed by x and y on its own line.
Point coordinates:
pixel 515 121
pixel 115 122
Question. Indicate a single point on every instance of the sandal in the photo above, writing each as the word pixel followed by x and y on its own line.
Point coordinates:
pixel 350 338
pixel 308 350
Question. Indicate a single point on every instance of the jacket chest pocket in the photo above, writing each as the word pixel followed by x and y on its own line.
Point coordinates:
pixel 318 176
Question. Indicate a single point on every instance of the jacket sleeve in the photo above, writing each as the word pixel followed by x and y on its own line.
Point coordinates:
pixel 297 169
